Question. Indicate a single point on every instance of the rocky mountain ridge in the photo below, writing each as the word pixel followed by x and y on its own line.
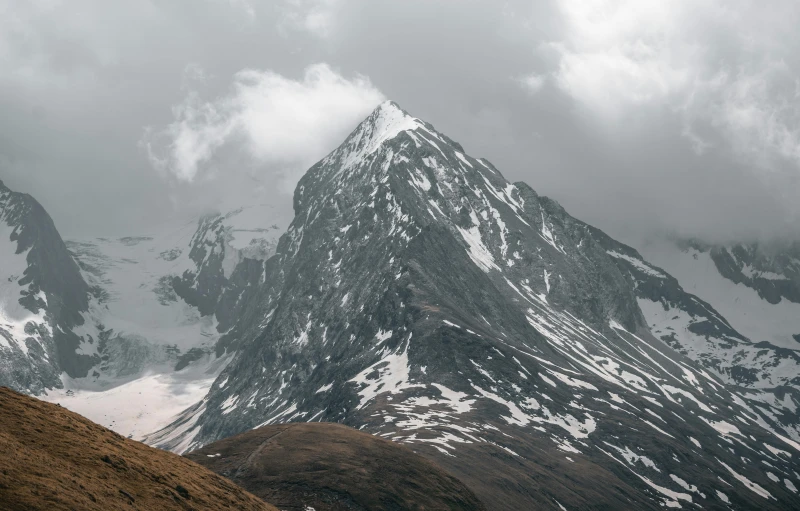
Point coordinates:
pixel 42 298
pixel 99 323
pixel 772 270
pixel 420 296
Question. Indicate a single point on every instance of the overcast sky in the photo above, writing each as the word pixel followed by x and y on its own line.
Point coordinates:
pixel 639 116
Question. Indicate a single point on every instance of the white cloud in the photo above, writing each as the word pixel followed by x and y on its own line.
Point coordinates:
pixel 617 54
pixel 719 65
pixel 760 112
pixel 194 74
pixel 533 82
pixel 276 120
pixel 317 17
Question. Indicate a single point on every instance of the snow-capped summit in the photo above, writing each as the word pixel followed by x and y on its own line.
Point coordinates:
pixel 420 296
pixel 384 123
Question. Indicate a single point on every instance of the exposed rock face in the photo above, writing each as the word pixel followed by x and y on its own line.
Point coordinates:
pixel 772 271
pixel 215 274
pixel 330 467
pixel 730 327
pixel 94 321
pixel 420 296
pixel 54 459
pixel 42 298
pixel 165 301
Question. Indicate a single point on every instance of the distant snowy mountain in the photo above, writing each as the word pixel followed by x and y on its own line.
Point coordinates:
pixel 42 299
pixel 420 296
pixel 125 331
pixel 165 301
pixel 757 288
pixel 768 375
pixel 167 297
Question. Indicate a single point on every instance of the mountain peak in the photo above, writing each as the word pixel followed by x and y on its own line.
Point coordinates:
pixel 389 107
pixel 389 120
pixel 386 122
pixel 383 125
pixel 389 138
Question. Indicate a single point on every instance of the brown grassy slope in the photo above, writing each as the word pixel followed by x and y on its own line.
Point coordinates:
pixel 331 467
pixel 53 459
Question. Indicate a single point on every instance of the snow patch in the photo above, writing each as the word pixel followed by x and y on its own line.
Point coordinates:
pixel 748 483
pixel 637 263
pixel 392 376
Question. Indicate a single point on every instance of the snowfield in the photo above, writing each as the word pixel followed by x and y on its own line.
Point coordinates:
pixel 141 406
pixel 137 390
pixel 746 311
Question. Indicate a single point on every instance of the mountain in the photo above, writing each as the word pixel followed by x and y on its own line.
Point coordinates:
pixel 756 286
pixel 54 459
pixel 126 330
pixel 419 296
pixel 330 467
pixel 746 337
pixel 42 299
pixel 165 299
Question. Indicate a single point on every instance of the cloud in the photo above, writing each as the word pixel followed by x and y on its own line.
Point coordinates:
pixel 277 120
pixel 316 17
pixel 533 82
pixel 246 6
pixel 760 113
pixel 194 74
pixel 617 54
pixel 724 68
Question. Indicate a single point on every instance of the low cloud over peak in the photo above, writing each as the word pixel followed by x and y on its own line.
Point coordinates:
pixel 275 120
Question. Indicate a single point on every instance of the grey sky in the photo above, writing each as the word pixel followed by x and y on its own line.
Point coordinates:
pixel 636 115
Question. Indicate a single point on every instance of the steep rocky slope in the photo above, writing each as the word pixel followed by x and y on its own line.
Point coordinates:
pixel 755 286
pixel 125 331
pixel 53 459
pixel 165 301
pixel 330 467
pixel 730 327
pixel 420 296
pixel 42 298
